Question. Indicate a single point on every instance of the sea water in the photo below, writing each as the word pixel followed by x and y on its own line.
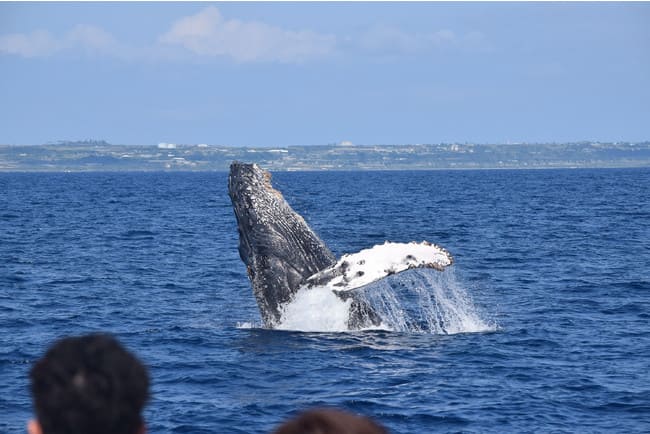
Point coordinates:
pixel 541 325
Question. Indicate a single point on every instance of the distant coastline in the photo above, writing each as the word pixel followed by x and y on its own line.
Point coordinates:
pixel 98 155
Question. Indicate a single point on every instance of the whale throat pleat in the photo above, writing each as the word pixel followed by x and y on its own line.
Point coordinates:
pixel 278 247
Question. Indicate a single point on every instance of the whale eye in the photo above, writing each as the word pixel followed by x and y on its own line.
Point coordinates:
pixel 360 273
pixel 361 262
pixel 410 258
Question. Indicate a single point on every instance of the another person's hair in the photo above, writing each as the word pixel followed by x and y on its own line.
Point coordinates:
pixel 89 384
pixel 330 421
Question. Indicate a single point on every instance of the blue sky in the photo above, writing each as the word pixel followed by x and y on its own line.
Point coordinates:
pixel 278 74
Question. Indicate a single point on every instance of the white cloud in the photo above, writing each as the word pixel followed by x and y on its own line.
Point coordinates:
pixel 391 40
pixel 36 44
pixel 386 40
pixel 209 34
pixel 89 39
pixel 94 40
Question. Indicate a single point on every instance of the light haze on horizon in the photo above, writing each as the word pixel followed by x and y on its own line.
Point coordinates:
pixel 280 74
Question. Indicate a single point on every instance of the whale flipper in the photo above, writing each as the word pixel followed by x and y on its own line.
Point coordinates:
pixel 279 249
pixel 369 265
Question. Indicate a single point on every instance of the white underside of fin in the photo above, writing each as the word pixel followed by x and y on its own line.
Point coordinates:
pixel 369 265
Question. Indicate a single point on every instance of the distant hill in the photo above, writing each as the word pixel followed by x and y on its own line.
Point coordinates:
pixel 98 155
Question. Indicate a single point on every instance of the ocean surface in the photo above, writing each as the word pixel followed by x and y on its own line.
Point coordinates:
pixel 553 266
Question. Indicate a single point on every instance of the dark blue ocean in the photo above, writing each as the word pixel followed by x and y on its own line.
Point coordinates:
pixel 558 260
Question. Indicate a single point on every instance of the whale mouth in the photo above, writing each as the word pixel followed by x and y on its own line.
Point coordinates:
pixel 290 266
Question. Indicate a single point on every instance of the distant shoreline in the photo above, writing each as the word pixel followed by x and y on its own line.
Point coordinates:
pixel 457 169
pixel 99 156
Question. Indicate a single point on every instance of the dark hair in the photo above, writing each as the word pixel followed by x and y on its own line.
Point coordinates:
pixel 330 421
pixel 89 384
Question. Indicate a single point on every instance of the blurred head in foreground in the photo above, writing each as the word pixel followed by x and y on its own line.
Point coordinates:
pixel 330 421
pixel 88 384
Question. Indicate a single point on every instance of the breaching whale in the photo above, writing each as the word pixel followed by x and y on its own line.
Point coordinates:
pixel 283 254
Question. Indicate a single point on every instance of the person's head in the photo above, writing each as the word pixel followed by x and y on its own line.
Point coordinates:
pixel 330 421
pixel 88 384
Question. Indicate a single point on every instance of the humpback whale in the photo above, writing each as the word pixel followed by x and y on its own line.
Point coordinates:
pixel 283 254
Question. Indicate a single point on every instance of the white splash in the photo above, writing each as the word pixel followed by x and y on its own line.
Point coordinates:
pixel 316 310
pixel 424 301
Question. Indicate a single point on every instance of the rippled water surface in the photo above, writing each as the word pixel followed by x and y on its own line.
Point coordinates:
pixel 559 260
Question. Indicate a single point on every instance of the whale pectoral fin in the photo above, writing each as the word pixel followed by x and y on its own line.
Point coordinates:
pixel 370 265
